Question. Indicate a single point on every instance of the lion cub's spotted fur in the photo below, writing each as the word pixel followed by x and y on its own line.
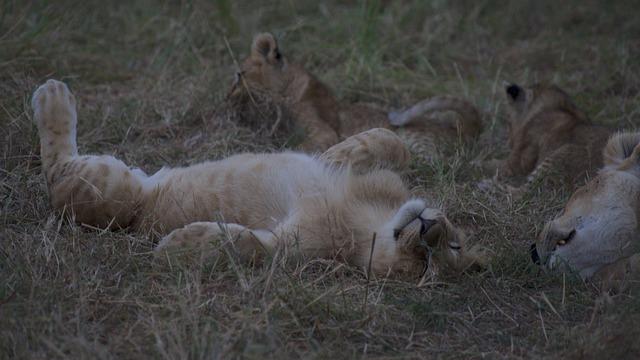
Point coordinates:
pixel 551 140
pixel 314 108
pixel 263 201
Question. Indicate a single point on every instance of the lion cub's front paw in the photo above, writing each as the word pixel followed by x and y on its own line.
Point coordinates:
pixel 54 106
pixel 487 185
pixel 193 236
pixel 494 186
pixel 204 239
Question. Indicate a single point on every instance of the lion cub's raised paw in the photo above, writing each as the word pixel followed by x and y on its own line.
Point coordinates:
pixel 54 105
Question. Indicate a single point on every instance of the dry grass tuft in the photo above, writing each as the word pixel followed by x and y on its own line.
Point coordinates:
pixel 265 117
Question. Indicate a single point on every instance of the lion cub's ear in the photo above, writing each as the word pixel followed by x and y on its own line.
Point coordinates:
pixel 514 92
pixel 517 94
pixel 265 45
pixel 633 161
pixel 623 151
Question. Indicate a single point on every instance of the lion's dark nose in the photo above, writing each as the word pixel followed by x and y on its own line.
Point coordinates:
pixel 534 254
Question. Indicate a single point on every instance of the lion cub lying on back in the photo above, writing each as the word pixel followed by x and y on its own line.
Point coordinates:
pixel 314 108
pixel 262 201
pixel 551 140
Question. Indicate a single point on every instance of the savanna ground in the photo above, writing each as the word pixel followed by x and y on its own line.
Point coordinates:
pixel 150 78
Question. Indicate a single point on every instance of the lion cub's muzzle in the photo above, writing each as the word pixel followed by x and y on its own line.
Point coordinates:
pixel 422 232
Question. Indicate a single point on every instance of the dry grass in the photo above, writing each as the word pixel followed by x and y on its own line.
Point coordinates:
pixel 150 78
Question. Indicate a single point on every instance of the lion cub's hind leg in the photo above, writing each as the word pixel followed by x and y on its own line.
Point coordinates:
pixel 203 239
pixel 556 170
pixel 97 190
pixel 372 149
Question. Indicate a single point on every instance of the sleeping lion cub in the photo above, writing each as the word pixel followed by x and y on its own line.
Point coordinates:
pixel 260 201
pixel 314 108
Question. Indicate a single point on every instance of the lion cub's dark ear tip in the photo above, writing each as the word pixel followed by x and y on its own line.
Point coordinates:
pixel 513 90
pixel 535 257
pixel 264 36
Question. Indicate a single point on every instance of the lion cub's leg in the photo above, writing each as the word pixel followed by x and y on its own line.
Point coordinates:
pixel 372 149
pixel 202 237
pixel 97 190
pixel 557 169
pixel 54 109
pixel 562 167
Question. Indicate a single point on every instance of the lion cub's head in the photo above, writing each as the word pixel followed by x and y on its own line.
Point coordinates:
pixel 428 242
pixel 526 104
pixel 539 117
pixel 599 224
pixel 265 70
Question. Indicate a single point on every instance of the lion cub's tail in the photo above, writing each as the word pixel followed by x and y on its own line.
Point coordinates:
pixel 470 126
pixel 622 150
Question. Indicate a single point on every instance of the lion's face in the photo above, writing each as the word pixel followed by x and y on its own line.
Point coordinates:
pixel 598 226
pixel 264 70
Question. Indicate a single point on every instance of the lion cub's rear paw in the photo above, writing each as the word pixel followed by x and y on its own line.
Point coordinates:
pixel 374 148
pixel 54 105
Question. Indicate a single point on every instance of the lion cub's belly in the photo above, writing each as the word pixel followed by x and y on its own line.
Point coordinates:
pixel 254 190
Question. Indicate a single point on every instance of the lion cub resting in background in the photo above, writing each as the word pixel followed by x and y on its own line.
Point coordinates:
pixel 551 140
pixel 260 201
pixel 267 72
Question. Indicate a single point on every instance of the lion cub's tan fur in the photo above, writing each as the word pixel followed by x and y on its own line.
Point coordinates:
pixel 263 201
pixel 597 234
pixel 551 140
pixel 314 108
